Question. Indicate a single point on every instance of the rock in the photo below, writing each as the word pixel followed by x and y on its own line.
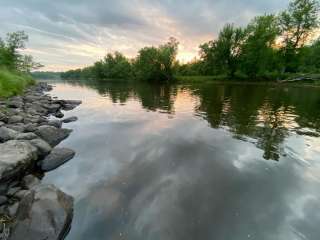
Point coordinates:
pixel 35 107
pixel 59 114
pixel 3 117
pixel 30 181
pixel 7 134
pixel 3 200
pixel 55 123
pixel 68 107
pixel 56 158
pixel 53 135
pixel 15 157
pixel 68 104
pixel 15 119
pixel 13 191
pixel 44 213
pixel 15 103
pixel 52 108
pixel 69 119
pixel 2 124
pixel 31 127
pixel 19 127
pixel 26 136
pixel 43 148
pixel 3 188
pixel 21 194
pixel 13 209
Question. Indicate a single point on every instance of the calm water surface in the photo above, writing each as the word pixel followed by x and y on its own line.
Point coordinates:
pixel 193 162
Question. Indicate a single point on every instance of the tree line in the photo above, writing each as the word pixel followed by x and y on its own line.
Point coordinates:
pixel 271 46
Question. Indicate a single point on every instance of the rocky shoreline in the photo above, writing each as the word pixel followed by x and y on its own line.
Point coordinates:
pixel 30 130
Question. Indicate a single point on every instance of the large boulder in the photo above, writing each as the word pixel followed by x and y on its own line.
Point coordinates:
pixel 16 157
pixel 53 135
pixel 42 146
pixel 7 134
pixel 56 158
pixel 44 213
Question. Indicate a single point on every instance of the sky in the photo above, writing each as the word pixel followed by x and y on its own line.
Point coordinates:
pixel 68 34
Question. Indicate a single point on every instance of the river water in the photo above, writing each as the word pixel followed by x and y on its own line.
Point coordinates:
pixel 199 161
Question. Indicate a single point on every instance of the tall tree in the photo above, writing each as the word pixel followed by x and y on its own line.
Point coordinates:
pixel 297 24
pixel 224 52
pixel 258 53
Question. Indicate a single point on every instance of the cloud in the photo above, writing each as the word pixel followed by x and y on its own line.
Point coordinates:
pixel 79 28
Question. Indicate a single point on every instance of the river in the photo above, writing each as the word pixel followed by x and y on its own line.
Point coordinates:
pixel 198 161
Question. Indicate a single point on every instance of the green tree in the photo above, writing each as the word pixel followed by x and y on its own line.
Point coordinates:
pixel 156 64
pixel 258 54
pixel 297 24
pixel 223 54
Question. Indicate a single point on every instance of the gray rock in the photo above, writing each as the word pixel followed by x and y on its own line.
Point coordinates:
pixel 56 158
pixel 30 181
pixel 16 157
pixel 20 194
pixel 35 107
pixel 59 114
pixel 13 191
pixel 52 108
pixel 7 134
pixel 15 119
pixel 3 117
pixel 2 123
pixel 68 107
pixel 31 127
pixel 3 200
pixel 26 136
pixel 43 148
pixel 70 119
pixel 3 188
pixel 15 103
pixel 53 135
pixel 55 123
pixel 19 127
pixel 44 213
pixel 13 209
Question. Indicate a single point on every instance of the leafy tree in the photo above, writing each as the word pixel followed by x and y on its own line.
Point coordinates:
pixel 10 56
pixel 224 52
pixel 297 24
pixel 116 66
pixel 258 54
pixel 156 64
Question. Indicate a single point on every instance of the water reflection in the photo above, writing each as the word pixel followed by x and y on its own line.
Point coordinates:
pixel 188 162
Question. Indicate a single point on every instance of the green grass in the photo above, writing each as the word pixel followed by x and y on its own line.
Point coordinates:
pixel 13 83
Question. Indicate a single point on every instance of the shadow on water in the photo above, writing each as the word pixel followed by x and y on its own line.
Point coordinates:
pixel 188 162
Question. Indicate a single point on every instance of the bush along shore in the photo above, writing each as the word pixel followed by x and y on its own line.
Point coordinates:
pixel 29 135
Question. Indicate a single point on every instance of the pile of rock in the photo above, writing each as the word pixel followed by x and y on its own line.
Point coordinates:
pixel 28 140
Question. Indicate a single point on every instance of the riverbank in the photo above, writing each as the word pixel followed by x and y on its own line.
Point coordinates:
pixel 223 80
pixel 28 138
pixel 13 83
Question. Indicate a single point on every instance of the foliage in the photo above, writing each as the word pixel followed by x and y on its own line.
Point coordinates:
pixel 258 54
pixel 156 64
pixel 222 55
pixel 297 24
pixel 11 58
pixel 46 75
pixel 13 82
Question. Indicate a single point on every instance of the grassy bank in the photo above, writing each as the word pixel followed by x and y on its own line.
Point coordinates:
pixel 13 83
pixel 313 79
